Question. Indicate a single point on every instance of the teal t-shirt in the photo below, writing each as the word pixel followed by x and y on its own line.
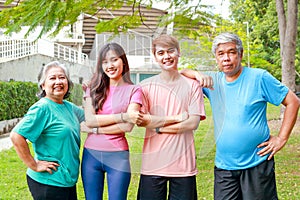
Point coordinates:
pixel 239 113
pixel 54 130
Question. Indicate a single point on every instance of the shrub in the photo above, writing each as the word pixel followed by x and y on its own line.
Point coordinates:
pixel 16 98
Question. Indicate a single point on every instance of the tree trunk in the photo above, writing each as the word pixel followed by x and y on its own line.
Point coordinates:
pixel 288 35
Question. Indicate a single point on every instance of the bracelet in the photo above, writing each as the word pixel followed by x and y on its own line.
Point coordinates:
pixel 157 130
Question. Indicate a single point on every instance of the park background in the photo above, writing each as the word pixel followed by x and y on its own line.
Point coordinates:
pixel 13 179
pixel 270 39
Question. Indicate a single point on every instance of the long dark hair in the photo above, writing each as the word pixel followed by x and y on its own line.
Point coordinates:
pixel 100 81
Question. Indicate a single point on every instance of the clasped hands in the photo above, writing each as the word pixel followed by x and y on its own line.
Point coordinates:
pixel 142 119
pixel 136 117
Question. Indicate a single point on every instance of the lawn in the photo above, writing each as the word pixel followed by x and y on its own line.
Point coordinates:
pixel 13 181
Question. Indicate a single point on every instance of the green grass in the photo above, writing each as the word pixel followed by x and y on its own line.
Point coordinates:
pixel 13 180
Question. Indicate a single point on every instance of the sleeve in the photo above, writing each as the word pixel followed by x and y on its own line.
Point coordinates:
pixel 206 92
pixel 145 102
pixel 79 112
pixel 137 95
pixel 33 123
pixel 196 105
pixel 273 90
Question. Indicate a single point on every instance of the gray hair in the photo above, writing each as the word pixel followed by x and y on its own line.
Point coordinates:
pixel 42 77
pixel 225 38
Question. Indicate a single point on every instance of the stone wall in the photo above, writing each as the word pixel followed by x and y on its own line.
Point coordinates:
pixel 7 125
pixel 27 69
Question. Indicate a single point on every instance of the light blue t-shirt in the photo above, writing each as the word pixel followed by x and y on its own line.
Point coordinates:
pixel 239 112
pixel 54 130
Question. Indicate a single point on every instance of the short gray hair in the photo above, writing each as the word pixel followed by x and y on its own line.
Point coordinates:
pixel 225 38
pixel 42 77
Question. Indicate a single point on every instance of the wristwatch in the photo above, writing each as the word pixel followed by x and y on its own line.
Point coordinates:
pixel 157 130
pixel 95 130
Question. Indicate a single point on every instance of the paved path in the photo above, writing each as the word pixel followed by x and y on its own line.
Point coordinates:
pixel 6 126
pixel 5 142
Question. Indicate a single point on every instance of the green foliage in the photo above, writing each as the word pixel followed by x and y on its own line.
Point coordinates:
pixel 190 19
pixel 264 34
pixel 76 95
pixel 16 98
pixel 122 23
pixel 192 56
pixel 55 14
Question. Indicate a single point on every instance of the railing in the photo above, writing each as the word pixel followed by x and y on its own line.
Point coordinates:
pixel 134 44
pixel 12 49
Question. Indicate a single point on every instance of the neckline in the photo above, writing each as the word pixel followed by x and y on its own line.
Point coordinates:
pixel 54 103
pixel 235 80
pixel 118 86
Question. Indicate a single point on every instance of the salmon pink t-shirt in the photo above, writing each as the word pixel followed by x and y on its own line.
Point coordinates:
pixel 171 155
pixel 117 101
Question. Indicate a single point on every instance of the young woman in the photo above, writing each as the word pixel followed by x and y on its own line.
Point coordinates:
pixel 111 107
pixel 52 125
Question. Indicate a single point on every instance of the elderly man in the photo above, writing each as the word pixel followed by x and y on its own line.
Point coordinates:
pixel 244 163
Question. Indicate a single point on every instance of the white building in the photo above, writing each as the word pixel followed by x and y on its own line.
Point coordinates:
pixel 77 46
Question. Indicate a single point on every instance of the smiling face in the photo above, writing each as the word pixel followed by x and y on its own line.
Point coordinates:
pixel 229 60
pixel 112 66
pixel 166 57
pixel 56 84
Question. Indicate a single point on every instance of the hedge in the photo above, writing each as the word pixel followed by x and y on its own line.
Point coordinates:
pixel 16 97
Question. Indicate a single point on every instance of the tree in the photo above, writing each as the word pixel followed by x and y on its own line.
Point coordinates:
pixel 264 38
pixel 55 14
pixel 288 35
pixel 189 19
pixel 267 42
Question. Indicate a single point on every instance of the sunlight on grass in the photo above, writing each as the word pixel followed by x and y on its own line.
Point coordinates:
pixel 13 180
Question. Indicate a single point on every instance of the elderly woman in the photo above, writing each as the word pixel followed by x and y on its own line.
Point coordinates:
pixel 52 125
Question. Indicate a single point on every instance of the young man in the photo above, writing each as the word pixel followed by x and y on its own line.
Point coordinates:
pixel 174 107
pixel 244 163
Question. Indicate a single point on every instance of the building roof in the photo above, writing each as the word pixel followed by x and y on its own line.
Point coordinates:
pixel 149 27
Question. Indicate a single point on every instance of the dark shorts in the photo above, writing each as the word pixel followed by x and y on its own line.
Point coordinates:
pixel 41 191
pixel 254 183
pixel 156 187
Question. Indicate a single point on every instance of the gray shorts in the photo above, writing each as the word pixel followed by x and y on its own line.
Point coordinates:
pixel 254 183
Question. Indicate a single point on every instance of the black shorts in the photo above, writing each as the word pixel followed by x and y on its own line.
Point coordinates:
pixel 254 183
pixel 41 191
pixel 156 188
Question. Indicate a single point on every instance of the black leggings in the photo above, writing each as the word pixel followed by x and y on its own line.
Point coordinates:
pixel 41 191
